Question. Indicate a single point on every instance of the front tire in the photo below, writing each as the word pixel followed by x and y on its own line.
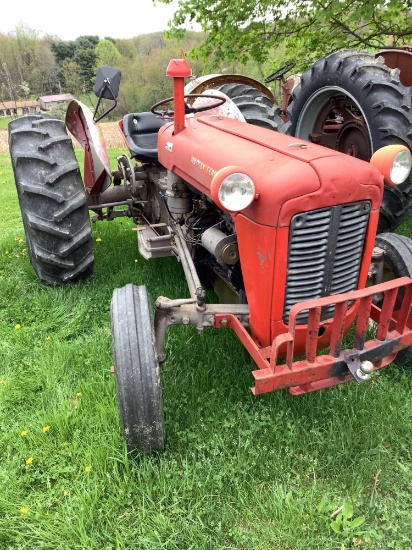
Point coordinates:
pixel 397 263
pixel 138 388
pixel 352 102
pixel 52 199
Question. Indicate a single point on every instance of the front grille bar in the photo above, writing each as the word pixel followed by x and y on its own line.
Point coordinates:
pixel 325 252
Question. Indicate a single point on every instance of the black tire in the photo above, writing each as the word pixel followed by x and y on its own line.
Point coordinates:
pixel 138 388
pixel 257 108
pixel 52 199
pixel 397 263
pixel 375 109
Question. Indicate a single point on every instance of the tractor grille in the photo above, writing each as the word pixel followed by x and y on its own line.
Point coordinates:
pixel 325 252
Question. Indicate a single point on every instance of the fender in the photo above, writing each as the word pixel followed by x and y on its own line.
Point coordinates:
pixel 207 82
pixel 399 58
pixel 80 123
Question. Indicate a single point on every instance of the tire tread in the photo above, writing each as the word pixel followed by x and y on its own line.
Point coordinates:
pixel 52 199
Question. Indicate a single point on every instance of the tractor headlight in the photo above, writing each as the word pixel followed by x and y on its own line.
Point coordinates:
pixel 401 167
pixel 233 190
pixel 394 162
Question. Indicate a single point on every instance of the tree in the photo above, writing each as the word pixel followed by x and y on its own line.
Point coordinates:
pixel 82 52
pixel 27 65
pixel 44 72
pixel 63 50
pixel 107 54
pixel 72 80
pixel 244 29
pixel 85 57
pixel 143 63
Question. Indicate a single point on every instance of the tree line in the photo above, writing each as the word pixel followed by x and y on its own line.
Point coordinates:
pixel 32 66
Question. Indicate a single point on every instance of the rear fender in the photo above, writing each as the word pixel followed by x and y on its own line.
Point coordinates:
pixel 209 81
pixel 399 58
pixel 80 123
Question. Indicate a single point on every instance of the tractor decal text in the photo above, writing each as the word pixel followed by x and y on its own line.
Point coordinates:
pixel 202 166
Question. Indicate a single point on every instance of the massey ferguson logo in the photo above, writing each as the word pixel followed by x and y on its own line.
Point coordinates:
pixel 202 166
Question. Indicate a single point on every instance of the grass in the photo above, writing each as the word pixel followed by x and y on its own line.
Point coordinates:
pixel 328 470
pixel 4 122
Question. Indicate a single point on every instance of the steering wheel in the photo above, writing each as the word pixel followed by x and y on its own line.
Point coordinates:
pixel 188 109
pixel 280 72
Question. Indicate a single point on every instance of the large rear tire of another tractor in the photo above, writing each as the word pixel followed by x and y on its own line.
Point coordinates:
pixel 136 367
pixel 351 102
pixel 397 263
pixel 256 107
pixel 52 199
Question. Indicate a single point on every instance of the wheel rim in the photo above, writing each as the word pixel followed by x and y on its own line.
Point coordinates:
pixel 333 118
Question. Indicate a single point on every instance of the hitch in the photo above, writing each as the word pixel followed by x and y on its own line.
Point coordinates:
pixel 360 370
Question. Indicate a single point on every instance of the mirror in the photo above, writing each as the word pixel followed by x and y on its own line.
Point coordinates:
pixel 107 82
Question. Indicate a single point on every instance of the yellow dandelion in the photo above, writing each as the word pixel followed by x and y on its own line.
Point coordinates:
pixel 29 460
pixel 17 326
pixel 79 394
pixel 24 511
pixel 98 240
pixel 46 428
pixel 66 493
pixel 136 261
pixel 2 382
pixel 7 252
pixel 24 250
pixel 23 433
pixel 87 469
pixel 47 337
pixel 16 238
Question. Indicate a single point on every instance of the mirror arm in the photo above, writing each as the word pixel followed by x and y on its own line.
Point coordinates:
pixel 106 85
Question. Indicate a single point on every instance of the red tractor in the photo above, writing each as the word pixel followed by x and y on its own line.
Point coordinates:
pixel 282 229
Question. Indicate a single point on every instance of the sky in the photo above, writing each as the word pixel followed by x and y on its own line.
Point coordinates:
pixel 75 18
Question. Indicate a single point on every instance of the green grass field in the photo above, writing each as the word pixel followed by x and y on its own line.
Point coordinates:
pixel 328 470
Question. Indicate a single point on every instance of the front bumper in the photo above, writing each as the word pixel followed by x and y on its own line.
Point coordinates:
pixel 378 334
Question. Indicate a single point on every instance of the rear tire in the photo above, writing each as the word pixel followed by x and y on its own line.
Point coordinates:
pixel 256 107
pixel 397 263
pixel 52 199
pixel 138 388
pixel 375 109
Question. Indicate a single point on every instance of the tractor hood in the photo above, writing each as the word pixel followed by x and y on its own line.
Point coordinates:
pixel 289 174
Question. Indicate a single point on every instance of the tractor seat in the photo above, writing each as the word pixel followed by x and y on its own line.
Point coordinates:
pixel 141 131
